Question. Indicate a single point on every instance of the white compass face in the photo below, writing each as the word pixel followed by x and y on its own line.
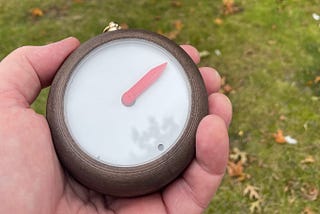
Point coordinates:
pixel 127 102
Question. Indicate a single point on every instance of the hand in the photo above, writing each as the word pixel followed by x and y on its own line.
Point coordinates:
pixel 31 178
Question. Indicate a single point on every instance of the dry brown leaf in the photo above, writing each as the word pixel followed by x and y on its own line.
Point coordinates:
pixel 310 193
pixel 282 117
pixel 279 138
pixel 223 80
pixel 227 88
pixel 308 159
pixel 229 7
pixel 172 34
pixel 307 210
pixel 235 170
pixel 37 12
pixel 124 26
pixel 176 3
pixel 178 25
pixel 252 192
pixel 309 83
pixel 317 80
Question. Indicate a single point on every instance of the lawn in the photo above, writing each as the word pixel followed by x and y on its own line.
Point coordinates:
pixel 269 55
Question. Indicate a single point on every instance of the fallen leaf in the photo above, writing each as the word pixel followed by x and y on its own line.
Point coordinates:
pixel 178 25
pixel 252 192
pixel 227 88
pixel 238 155
pixel 223 80
pixel 291 199
pixel 176 3
pixel 172 34
pixel 217 52
pixel 218 21
pixel 124 26
pixel 241 133
pixel 317 79
pixel 307 210
pixel 309 83
pixel 204 54
pixel 229 7
pixel 282 117
pixel 236 170
pixel 310 193
pixel 37 12
pixel 272 42
pixel 309 159
pixel 255 206
pixel 278 137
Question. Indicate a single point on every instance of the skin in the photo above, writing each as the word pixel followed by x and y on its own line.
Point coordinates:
pixel 31 177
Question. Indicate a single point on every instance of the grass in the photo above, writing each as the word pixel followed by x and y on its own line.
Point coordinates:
pixel 270 53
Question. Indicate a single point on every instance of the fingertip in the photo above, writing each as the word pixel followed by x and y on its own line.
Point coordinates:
pixel 220 105
pixel 212 144
pixel 211 78
pixel 192 52
pixel 70 41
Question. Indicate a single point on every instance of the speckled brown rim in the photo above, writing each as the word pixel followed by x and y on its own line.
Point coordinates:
pixel 125 181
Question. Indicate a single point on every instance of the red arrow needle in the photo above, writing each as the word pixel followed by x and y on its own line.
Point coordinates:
pixel 130 96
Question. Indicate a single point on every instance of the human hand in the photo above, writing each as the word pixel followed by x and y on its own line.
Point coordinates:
pixel 31 177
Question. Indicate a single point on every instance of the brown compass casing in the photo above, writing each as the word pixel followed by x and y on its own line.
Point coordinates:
pixel 125 181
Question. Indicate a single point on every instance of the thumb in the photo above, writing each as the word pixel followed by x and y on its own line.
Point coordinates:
pixel 28 69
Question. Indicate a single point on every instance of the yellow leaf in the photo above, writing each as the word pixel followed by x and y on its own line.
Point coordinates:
pixel 204 54
pixel 178 25
pixel 308 159
pixel 36 12
pixel 218 21
pixel 255 206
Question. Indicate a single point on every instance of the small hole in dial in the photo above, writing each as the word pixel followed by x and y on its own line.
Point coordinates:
pixel 160 147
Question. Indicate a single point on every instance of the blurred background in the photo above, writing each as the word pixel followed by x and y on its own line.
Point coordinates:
pixel 268 54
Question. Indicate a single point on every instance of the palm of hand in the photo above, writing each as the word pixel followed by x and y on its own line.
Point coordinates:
pixel 31 178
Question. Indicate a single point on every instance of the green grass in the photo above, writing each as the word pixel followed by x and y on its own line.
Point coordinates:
pixel 270 51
